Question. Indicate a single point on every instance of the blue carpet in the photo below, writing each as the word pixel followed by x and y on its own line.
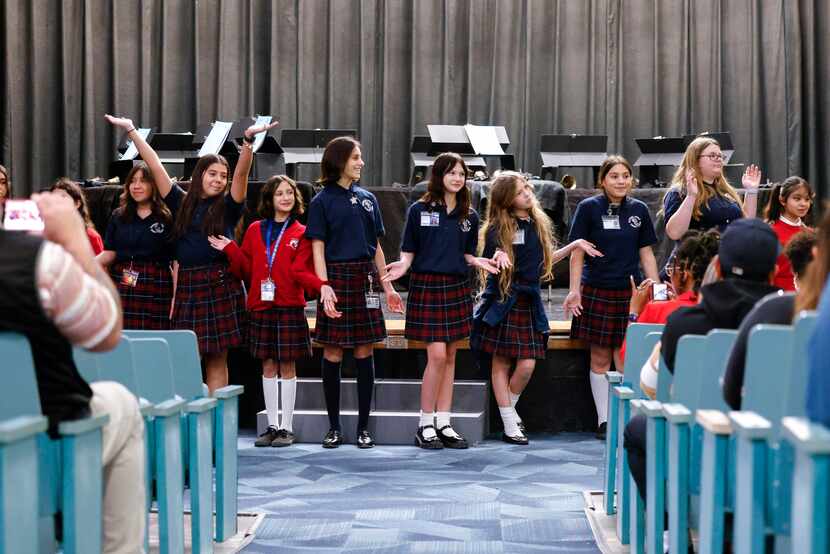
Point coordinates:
pixel 495 498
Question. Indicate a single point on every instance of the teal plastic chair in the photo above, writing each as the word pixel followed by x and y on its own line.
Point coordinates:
pixel 86 364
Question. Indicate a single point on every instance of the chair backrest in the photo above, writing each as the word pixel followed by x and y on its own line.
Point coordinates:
pixel 154 371
pixel 767 371
pixel 19 394
pixel 118 365
pixel 86 363
pixel 804 326
pixel 718 347
pixel 637 349
pixel 687 362
pixel 184 353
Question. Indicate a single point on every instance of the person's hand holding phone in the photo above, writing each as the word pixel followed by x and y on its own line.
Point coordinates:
pixel 22 215
pixel 640 295
pixel 62 224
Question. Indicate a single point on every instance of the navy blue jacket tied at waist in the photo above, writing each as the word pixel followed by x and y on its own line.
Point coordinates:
pixel 493 311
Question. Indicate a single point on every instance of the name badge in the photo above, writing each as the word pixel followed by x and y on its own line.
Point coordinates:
pixel 610 222
pixel 129 278
pixel 519 237
pixel 372 301
pixel 267 288
pixel 430 219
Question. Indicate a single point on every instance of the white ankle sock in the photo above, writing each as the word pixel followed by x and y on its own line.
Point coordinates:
pixel 288 397
pixel 442 419
pixel 599 388
pixel 514 398
pixel 269 391
pixel 509 419
pixel 428 418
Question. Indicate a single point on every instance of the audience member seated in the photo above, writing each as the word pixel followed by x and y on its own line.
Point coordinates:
pixel 55 293
pixel 745 266
pixel 778 307
pixel 686 272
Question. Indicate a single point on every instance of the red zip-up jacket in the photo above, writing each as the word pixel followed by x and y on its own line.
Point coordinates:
pixel 292 272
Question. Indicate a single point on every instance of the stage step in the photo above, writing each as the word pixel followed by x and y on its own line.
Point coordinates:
pixel 387 427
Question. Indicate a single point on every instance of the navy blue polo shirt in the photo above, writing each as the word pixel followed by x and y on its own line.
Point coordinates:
pixel 347 221
pixel 439 240
pixel 620 247
pixel 142 240
pixel 528 256
pixel 719 212
pixel 193 249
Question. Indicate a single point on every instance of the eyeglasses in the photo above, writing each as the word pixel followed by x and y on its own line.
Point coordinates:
pixel 715 157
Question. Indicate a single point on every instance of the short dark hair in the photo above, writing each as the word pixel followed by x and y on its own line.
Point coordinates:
pixel 800 251
pixel 266 199
pixel 335 156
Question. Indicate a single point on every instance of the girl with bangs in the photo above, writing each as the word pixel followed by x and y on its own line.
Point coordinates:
pixel 439 245
pixel 137 252
pixel 509 322
pixel 275 260
pixel 787 210
pixel 207 299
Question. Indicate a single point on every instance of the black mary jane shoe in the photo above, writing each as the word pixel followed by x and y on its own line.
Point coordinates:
pixel 521 426
pixel 452 441
pixel 267 437
pixel 431 443
pixel 602 431
pixel 516 439
pixel 333 439
pixel 364 439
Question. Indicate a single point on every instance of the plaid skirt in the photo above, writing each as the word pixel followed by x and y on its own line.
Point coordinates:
pixel 209 301
pixel 604 318
pixel 146 305
pixel 279 333
pixel 358 324
pixel 439 308
pixel 514 337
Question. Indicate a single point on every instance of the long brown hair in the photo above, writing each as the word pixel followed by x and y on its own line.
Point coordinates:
pixel 128 207
pixel 691 160
pixel 443 164
pixel 781 192
pixel 335 157
pixel 214 220
pixel 502 223
pixel 73 189
pixel 809 290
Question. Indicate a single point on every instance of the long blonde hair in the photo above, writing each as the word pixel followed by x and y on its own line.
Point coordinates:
pixel 501 221
pixel 691 160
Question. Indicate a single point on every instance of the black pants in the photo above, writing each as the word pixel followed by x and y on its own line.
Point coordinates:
pixel 634 441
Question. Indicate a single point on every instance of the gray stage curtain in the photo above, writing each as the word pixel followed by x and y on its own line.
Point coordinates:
pixel 626 68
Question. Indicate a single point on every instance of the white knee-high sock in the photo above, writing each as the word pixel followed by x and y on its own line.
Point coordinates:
pixel 288 397
pixel 428 418
pixel 514 398
pixel 509 419
pixel 269 391
pixel 599 388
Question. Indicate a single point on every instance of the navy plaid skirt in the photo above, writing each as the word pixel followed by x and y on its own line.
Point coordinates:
pixel 514 337
pixel 210 302
pixel 279 333
pixel 604 318
pixel 439 308
pixel 146 305
pixel 358 324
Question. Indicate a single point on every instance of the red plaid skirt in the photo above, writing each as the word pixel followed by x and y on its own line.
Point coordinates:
pixel 604 316
pixel 358 324
pixel 278 333
pixel 514 337
pixel 146 305
pixel 439 308
pixel 209 301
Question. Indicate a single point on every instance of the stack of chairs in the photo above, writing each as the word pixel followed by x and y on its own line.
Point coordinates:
pixel 765 464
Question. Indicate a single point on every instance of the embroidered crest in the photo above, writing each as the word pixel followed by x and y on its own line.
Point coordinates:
pixel 294 243
pixel 635 221
pixel 466 225
pixel 157 228
pixel 367 204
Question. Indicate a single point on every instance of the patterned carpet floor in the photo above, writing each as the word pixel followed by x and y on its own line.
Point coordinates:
pixel 491 499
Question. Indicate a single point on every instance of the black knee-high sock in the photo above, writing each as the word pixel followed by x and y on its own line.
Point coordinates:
pixel 331 389
pixel 365 385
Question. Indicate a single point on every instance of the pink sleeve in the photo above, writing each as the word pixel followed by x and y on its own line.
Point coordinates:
pixel 80 307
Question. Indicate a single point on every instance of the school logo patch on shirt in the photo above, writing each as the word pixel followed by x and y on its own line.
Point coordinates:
pixel 635 221
pixel 294 243
pixel 466 225
pixel 157 228
pixel 367 204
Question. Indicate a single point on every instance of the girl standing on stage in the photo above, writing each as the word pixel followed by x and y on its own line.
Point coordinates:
pixel 439 244
pixel 788 206
pixel 137 252
pixel 275 260
pixel 344 225
pixel 208 299
pixel 600 288
pixel 509 322
pixel 70 188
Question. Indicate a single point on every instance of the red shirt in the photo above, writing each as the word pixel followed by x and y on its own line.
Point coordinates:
pixel 783 269
pixel 292 272
pixel 659 312
pixel 95 240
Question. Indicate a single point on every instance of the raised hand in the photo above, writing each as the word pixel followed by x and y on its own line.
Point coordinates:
pixel 218 242
pixel 691 183
pixel 254 130
pixel 640 296
pixel 752 177
pixel 120 122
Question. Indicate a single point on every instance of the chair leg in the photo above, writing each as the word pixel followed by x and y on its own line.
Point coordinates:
pixel 199 465
pixel 655 483
pixel 750 493
pixel 19 494
pixel 712 492
pixel 636 519
pixel 169 484
pixel 678 487
pixel 623 489
pixel 82 493
pixel 226 428
pixel 811 503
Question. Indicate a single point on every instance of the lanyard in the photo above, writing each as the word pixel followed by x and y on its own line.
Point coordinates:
pixel 273 254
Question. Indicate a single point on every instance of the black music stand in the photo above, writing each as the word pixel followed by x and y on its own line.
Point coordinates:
pixel 128 155
pixel 572 151
pixel 455 138
pixel 223 145
pixel 306 146
pixel 658 152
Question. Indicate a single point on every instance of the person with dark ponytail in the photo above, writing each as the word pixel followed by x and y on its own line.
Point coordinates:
pixel 208 298
pixel 70 188
pixel 787 211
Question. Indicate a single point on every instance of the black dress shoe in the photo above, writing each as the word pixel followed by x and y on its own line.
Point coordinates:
pixel 516 439
pixel 364 439
pixel 431 443
pixel 602 430
pixel 333 439
pixel 521 425
pixel 267 437
pixel 453 440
